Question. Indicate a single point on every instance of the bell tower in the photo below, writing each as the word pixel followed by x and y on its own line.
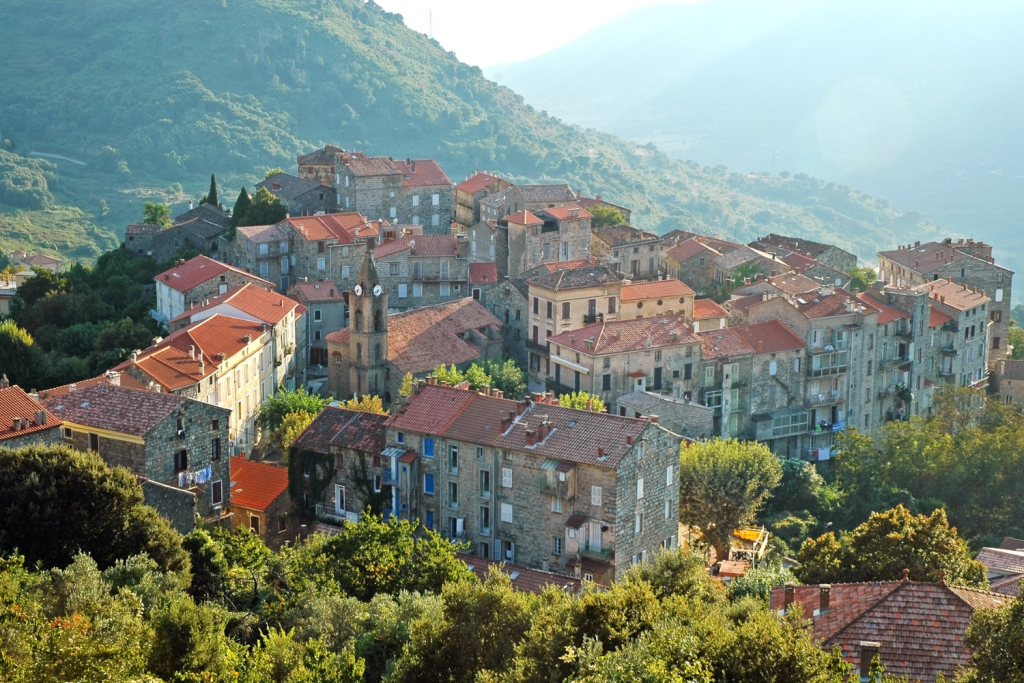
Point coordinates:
pixel 368 336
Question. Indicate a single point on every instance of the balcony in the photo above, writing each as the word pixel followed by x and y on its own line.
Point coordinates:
pixel 946 372
pixel 559 489
pixel 829 399
pixel 595 553
pixel 592 318
pixel 951 326
pixel 389 479
pixel 948 349
pixel 537 347
pixel 327 512
pixel 895 362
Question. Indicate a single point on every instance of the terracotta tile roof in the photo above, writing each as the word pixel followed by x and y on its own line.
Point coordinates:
pixel 344 227
pixel 343 428
pixel 428 173
pixel 687 249
pixel 288 186
pixel 316 291
pixel 617 235
pixel 794 283
pixel 624 336
pixel 1007 585
pixel 1008 542
pixel 268 307
pixel 372 166
pixel 743 254
pixel 1002 560
pixel 920 626
pixel 421 339
pixel 524 579
pixel 926 257
pixel 478 182
pixel 419 245
pixel 483 273
pixel 524 218
pixel 819 305
pixel 743 304
pixel 723 344
pixel 546 193
pixel 575 278
pixel 797 262
pixel 434 408
pixel 198 270
pixel 262 233
pixel 706 308
pixel 565 213
pixel 937 317
pixel 554 266
pixel 256 485
pixel 770 337
pixel 654 290
pixel 118 409
pixel 142 229
pixel 124 380
pixel 960 297
pixel 15 403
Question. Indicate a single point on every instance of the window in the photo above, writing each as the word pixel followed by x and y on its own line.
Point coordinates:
pixel 565 310
pixel 639 488
pixel 378 481
pixel 394 211
pixel 180 461
pixel 453 495
pixel 321 264
pixel 638 523
pixel 668 509
pixel 556 545
pixel 428 447
pixel 485 484
pixel 215 450
pixel 67 432
pixel 254 524
pixel 670 476
pixel 453 459
pixel 428 484
pixel 417 290
pixel 316 335
pixel 320 247
pixel 595 496
pixel 264 248
pixel 556 504
pixel 536 306
pixel 435 200
pixel 485 520
pixel 344 272
pixel 284 246
pixel 688 371
pixel 606 382
pixel 709 376
pixel 506 512
pixel 393 268
pixel 415 200
pixel 430 519
pixel 550 309
pixel 282 525
pixel 479 452
pixel 216 493
pixel 446 289
pixel 435 220
pixel 403 290
pixel 657 356
pixel 506 477
pixel 317 315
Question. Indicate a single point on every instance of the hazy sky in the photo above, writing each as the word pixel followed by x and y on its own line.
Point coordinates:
pixel 487 33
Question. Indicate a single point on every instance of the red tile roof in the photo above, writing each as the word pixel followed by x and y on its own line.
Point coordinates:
pixel 564 213
pixel 256 485
pixel 925 257
pixel 524 218
pixel 625 336
pixel 15 403
pixel 343 428
pixel 953 295
pixel 343 227
pixel 687 249
pixel 769 337
pixel 794 283
pixel 316 291
pixel 421 339
pixel 371 166
pixel 1002 560
pixel 118 409
pixel 265 306
pixel 743 304
pixel 555 266
pixel 124 380
pixel 1007 585
pixel 655 290
pixel 723 344
pixel 419 245
pixel 1010 543
pixel 483 273
pixel 706 308
pixel 428 173
pixel 476 183
pixel 524 579
pixel 886 313
pixel 587 202
pixel 937 317
pixel 262 233
pixel 197 270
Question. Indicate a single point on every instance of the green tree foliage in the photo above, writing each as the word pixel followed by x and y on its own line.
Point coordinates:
pixel 56 502
pixel 366 403
pixel 188 639
pixel 116 342
pixel 452 375
pixel 211 196
pixel 1016 341
pixel 239 210
pixel 722 485
pixel 759 581
pixel 290 428
pixel 861 278
pixel 885 545
pixel 581 400
pixel 276 408
pixel 995 637
pixel 155 213
pixel 265 209
pixel 19 357
pixel 272 172
pixel 506 376
pixel 605 215
pixel 407 385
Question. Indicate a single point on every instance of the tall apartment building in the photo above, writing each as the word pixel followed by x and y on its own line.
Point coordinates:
pixel 963 262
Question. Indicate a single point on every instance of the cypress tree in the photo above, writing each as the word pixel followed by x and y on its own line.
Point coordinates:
pixel 238 212
pixel 212 197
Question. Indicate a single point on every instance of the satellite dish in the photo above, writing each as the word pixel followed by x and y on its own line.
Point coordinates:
pixel 377 289
pixel 358 289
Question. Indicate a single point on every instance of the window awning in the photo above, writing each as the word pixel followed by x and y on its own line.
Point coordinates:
pixel 569 364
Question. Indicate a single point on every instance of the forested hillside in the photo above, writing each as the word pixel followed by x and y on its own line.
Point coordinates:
pixel 154 95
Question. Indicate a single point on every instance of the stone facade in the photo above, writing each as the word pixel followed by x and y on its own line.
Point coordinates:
pixel 301 197
pixel 685 417
pixel 828 254
pixel 326 312
pixel 509 301
pixel 191 282
pixel 552 235
pixel 535 198
pixel 263 250
pixel 423 270
pixel 176 505
pixel 468 194
pixel 692 262
pixel 1010 382
pixel 166 243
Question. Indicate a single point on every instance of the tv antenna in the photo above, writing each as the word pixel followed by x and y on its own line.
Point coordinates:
pixel 430 13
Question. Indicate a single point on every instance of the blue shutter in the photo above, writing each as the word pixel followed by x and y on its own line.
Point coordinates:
pixel 428 447
pixel 428 483
pixel 430 519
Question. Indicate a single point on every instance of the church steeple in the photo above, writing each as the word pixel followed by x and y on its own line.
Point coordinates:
pixel 368 272
pixel 368 336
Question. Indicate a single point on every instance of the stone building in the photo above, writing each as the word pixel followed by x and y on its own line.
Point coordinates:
pixel 371 186
pixel 468 195
pixel 682 416
pixel 567 299
pixel 426 197
pixel 509 301
pixel 707 315
pixel 299 196
pixel 326 311
pixel 206 211
pixel 816 271
pixel 482 278
pixel 553 235
pixel 596 200
pixel 531 483
pixel 414 191
pixel 24 421
pixel 964 262
pixel 1009 381
pixel 163 244
pixel 494 207
pixel 330 248
pixel 170 439
pixel 264 250
pixel 693 262
pixel 645 299
pixel 356 444
pixel 322 165
pixel 423 270
pixel 742 262
pixel 725 379
pixel 534 198
pixel 628 250
pixel 613 358
pixel 260 501
pixel 196 280
pixel 969 331
pixel 828 254
pixel 487 244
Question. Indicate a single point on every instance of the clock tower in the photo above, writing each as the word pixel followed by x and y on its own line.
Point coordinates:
pixel 368 334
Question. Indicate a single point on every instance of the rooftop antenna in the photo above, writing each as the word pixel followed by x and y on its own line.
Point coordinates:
pixel 431 15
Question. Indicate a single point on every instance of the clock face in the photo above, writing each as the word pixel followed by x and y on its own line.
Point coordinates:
pixel 377 290
pixel 358 289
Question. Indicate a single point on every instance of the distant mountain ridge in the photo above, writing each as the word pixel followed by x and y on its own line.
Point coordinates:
pixel 154 95
pixel 913 100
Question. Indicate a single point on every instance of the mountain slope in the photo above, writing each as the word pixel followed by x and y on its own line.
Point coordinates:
pixel 912 100
pixel 153 95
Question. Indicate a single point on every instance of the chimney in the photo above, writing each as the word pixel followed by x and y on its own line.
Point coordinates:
pixel 191 205
pixel 72 387
pixel 629 439
pixel 485 390
pixel 498 393
pixel 531 438
pixel 542 431
pixel 590 404
pixel 760 347
pixel 538 397
pixel 4 383
pixel 868 651
pixel 17 424
pixel 654 419
pixel 192 352
pixel 113 378
pixel 825 596
pixel 789 596
pixel 40 417
pixel 432 381
pixel 248 338
pixel 600 453
pixel 202 365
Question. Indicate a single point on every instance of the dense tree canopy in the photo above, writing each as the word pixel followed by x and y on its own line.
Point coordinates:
pixel 264 209
pixel 156 213
pixel 605 215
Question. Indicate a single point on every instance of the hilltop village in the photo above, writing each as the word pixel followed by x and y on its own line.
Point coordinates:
pixel 384 271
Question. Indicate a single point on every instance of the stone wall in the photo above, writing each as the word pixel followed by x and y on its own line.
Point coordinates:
pixel 230 279
pixel 47 437
pixel 178 506
pixel 323 199
pixel 427 289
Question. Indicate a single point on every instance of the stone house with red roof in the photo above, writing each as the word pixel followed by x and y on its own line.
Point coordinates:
pixel 531 483
pixel 263 250
pixel 708 315
pixel 24 421
pixel 469 192
pixel 423 270
pixel 488 244
pixel 260 501
pixel 643 299
pixel 197 280
pixel 326 309
pixel 532 239
pixel 691 261
pixel 969 328
pixel 176 441
pixel 628 250
pixel 915 629
pixel 827 254
pixel 329 248
pixel 534 198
